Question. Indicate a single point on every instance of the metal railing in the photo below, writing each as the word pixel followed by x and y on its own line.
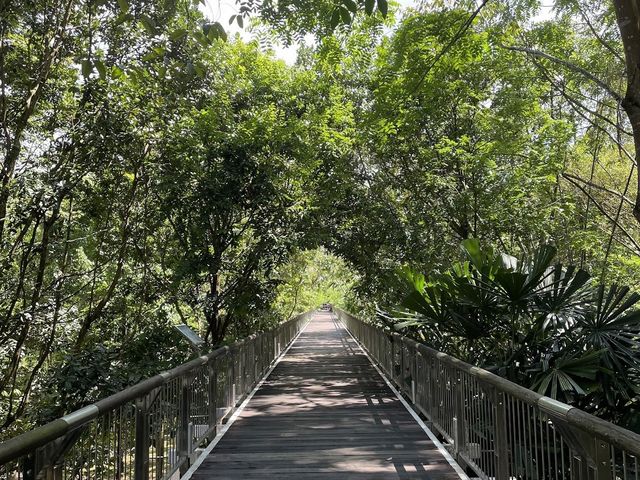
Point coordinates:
pixel 152 430
pixel 492 426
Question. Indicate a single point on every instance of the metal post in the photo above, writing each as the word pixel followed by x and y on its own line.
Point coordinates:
pixel 241 385
pixel 603 460
pixel 255 364
pixel 392 361
pixel 50 473
pixel 141 460
pixel 29 467
pixel 402 371
pixel 159 451
pixel 459 429
pixel 500 437
pixel 430 404
pixel 233 357
pixel 414 374
pixel 183 424
pixel 579 467
pixel 213 396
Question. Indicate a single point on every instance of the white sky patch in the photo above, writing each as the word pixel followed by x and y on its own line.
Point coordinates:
pixel 222 10
pixel 545 13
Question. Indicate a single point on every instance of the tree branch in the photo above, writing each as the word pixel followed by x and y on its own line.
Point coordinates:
pixel 570 66
pixel 623 197
pixel 596 34
pixel 635 244
pixel 461 31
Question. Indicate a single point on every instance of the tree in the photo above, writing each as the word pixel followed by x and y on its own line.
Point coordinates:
pixel 232 183
pixel 628 15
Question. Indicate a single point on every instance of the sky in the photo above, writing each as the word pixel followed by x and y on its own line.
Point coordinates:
pixel 222 10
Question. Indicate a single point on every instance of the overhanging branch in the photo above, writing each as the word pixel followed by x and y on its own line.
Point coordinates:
pixel 570 66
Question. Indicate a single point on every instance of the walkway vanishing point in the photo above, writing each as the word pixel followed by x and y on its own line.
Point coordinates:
pixel 325 413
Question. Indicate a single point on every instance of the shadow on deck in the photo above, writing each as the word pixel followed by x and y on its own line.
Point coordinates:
pixel 325 413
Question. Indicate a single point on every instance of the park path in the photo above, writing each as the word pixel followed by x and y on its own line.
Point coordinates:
pixel 325 413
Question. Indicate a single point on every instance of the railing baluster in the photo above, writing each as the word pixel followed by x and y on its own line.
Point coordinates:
pixel 413 373
pixel 184 430
pixel 500 435
pixel 213 396
pixel 141 458
pixel 458 406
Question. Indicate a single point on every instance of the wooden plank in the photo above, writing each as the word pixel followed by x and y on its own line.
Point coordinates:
pixel 325 413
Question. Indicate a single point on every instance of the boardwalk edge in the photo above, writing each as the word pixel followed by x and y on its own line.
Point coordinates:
pixel 412 412
pixel 209 448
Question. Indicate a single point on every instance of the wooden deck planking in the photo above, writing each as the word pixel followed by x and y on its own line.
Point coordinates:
pixel 325 413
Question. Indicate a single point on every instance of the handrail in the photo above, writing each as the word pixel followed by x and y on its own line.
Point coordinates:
pixel 495 427
pixel 611 432
pixel 17 446
pixel 151 429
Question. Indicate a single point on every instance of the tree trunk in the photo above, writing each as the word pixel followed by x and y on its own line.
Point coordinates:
pixel 628 16
pixel 14 146
pixel 96 312
pixel 212 311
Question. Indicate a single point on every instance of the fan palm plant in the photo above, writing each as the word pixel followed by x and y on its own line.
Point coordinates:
pixel 541 324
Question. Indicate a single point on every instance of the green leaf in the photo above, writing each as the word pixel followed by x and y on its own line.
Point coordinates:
pixel 124 5
pixel 117 72
pixel 155 53
pixel 351 5
pixel 214 31
pixel 369 6
pixel 471 247
pixel 383 7
pixel 240 21
pixel 201 38
pixel 124 17
pixel 232 19
pixel 102 70
pixel 148 24
pixel 199 70
pixel 345 15
pixel 335 18
pixel 405 324
pixel 86 67
pixel 177 34
pixel 222 34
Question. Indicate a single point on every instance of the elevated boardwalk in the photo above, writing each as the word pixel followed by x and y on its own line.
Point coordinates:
pixel 325 413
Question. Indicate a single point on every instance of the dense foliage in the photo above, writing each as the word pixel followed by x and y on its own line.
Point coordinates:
pixel 156 172
pixel 535 322
pixel 159 178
